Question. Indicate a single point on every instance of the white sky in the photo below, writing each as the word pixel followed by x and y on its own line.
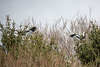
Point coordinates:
pixel 47 10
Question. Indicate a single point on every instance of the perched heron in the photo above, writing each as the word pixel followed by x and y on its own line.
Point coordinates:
pixel 80 37
pixel 4 48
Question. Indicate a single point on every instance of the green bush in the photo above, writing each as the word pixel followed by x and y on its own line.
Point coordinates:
pixel 13 38
pixel 8 33
pixel 88 50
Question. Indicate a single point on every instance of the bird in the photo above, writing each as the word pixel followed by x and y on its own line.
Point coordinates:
pixel 80 37
pixel 30 31
pixel 4 48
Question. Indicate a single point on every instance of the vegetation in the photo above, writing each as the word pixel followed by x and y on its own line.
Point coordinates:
pixel 50 47
pixel 88 50
pixel 28 51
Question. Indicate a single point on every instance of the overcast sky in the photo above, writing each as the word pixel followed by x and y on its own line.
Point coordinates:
pixel 47 10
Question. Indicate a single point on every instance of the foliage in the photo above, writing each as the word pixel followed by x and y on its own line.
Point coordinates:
pixel 88 50
pixel 28 50
pixel 50 48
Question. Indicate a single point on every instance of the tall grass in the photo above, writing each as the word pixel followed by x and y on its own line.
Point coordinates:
pixel 47 47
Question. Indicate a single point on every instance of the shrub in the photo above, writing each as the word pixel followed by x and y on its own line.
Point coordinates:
pixel 88 50
pixel 30 50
